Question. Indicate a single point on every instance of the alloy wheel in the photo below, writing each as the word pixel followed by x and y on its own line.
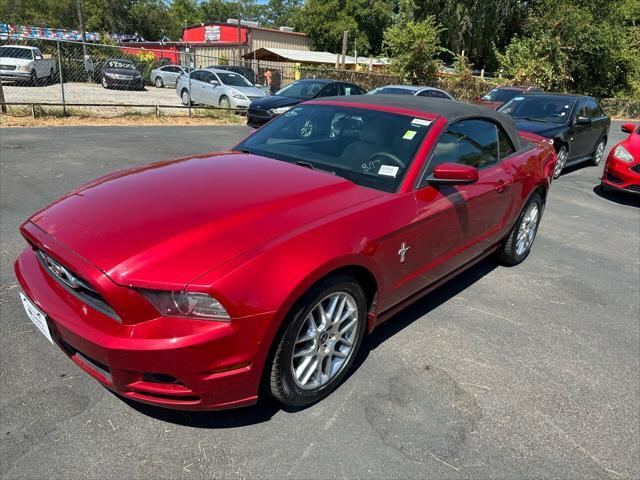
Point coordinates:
pixel 325 341
pixel 185 97
pixel 159 83
pixel 560 162
pixel 527 229
pixel 599 153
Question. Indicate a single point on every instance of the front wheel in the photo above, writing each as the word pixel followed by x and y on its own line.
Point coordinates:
pixel 319 344
pixel 561 161
pixel 184 95
pixel 105 84
pixel 224 102
pixel 159 83
pixel 598 152
pixel 520 239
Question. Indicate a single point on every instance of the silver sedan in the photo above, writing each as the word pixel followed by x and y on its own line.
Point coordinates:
pixel 416 90
pixel 167 75
pixel 218 88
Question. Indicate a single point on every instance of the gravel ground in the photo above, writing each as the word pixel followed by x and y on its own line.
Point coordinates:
pixel 75 92
pixel 524 372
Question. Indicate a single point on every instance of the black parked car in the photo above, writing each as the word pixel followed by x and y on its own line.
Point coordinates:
pixel 264 109
pixel 576 124
pixel 121 74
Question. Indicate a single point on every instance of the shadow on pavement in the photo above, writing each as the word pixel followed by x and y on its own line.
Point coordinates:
pixel 621 198
pixel 267 408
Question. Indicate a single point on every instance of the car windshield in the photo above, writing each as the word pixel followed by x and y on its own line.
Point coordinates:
pixel 500 95
pixel 539 109
pixel 120 64
pixel 304 89
pixel 369 148
pixel 394 91
pixel 233 79
pixel 13 52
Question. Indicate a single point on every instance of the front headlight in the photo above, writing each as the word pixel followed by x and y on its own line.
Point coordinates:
pixel 186 304
pixel 23 68
pixel 621 153
pixel 238 95
pixel 279 110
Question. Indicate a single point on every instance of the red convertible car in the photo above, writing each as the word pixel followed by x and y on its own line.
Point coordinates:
pixel 197 283
pixel 622 170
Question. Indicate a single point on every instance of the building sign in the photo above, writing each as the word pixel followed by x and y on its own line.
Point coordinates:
pixel 212 33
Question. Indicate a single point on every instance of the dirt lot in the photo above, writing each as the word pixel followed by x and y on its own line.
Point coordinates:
pixel 90 93
pixel 524 372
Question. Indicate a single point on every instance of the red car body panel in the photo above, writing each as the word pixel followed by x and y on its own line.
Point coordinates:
pixel 254 233
pixel 621 175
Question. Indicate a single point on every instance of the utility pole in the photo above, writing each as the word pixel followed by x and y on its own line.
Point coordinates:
pixel 345 36
pixel 239 31
pixel 80 8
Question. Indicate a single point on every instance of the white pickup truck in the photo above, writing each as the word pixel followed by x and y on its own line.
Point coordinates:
pixel 22 63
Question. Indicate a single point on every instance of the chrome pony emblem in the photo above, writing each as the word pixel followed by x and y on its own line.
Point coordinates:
pixel 62 273
pixel 404 248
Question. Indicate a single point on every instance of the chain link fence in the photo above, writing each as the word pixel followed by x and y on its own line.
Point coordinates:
pixel 59 77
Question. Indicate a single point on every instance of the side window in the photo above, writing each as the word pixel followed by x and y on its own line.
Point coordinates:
pixel 348 89
pixel 207 77
pixel 594 108
pixel 583 111
pixel 505 147
pixel 197 75
pixel 331 90
pixel 471 142
pixel 425 93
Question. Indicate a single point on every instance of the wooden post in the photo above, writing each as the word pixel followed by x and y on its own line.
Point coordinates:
pixel 3 105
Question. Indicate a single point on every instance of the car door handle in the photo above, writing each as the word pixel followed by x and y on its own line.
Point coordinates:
pixel 502 186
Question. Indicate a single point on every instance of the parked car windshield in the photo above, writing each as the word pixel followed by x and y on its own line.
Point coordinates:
pixel 369 148
pixel 13 52
pixel 500 95
pixel 537 108
pixel 233 79
pixel 393 91
pixel 302 89
pixel 120 64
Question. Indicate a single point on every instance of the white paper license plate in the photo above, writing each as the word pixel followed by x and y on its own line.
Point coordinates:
pixel 38 318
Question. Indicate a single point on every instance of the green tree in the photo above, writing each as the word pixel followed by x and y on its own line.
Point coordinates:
pixel 413 49
pixel 278 13
pixel 217 10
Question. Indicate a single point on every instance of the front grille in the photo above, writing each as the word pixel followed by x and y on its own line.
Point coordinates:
pixel 7 67
pixel 75 285
pixel 260 113
pixel 636 168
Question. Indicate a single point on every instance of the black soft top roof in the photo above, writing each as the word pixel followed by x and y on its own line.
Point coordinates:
pixel 452 110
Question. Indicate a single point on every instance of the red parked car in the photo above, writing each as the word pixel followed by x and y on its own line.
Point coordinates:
pixel 195 283
pixel 622 170
pixel 501 95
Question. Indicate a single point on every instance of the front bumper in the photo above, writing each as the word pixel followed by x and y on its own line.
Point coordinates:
pixel 135 83
pixel 170 362
pixel 14 75
pixel 618 175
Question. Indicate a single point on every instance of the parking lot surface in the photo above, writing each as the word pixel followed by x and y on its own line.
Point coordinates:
pixel 524 372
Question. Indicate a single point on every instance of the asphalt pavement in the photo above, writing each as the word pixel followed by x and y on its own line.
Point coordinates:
pixel 524 372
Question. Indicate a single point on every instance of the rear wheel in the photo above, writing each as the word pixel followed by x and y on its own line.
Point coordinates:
pixel 320 342
pixel 563 154
pixel 598 152
pixel 184 95
pixel 520 239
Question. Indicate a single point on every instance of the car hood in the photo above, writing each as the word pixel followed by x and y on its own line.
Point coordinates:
pixel 14 61
pixel 250 91
pixel 275 101
pixel 164 225
pixel 122 71
pixel 541 128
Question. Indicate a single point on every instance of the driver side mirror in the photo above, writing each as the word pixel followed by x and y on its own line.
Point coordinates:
pixel 453 174
pixel 583 120
pixel 628 128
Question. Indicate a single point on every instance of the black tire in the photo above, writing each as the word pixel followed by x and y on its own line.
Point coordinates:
pixel 508 254
pixel 597 155
pixel 279 379
pixel 562 159
pixel 33 78
pixel 158 82
pixel 224 102
pixel 105 83
pixel 186 101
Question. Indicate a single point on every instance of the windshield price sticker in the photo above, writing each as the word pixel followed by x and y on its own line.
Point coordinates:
pixel 388 170
pixel 409 134
pixel 420 121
